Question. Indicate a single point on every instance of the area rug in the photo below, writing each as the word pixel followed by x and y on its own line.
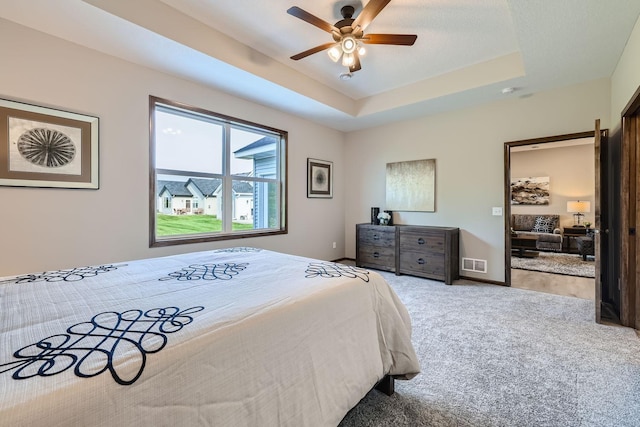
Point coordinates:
pixel 550 262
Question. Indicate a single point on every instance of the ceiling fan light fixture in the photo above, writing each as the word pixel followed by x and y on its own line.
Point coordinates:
pixel 349 44
pixel 348 33
pixel 348 59
pixel 335 53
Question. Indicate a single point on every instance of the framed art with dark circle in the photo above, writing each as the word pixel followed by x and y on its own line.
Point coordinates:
pixel 46 147
pixel 319 179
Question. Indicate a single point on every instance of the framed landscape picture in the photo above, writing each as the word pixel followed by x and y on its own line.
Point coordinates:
pixel 319 179
pixel 530 191
pixel 46 147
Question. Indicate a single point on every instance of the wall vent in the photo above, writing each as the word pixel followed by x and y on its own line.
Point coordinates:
pixel 477 265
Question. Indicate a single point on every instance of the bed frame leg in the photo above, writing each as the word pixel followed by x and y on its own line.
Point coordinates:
pixel 386 385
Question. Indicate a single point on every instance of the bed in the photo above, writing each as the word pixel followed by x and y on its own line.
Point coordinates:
pixel 230 337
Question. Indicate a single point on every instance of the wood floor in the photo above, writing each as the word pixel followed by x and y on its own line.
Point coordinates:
pixel 559 284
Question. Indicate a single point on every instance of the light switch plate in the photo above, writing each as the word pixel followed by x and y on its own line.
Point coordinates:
pixel 497 211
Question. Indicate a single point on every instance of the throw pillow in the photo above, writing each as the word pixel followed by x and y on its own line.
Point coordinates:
pixel 543 225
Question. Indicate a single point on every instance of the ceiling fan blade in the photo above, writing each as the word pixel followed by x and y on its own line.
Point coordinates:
pixel 397 39
pixel 356 65
pixel 312 51
pixel 312 19
pixel 370 11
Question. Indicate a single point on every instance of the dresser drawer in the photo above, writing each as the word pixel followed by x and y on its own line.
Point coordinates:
pixel 377 236
pixel 422 241
pixel 427 264
pixel 383 258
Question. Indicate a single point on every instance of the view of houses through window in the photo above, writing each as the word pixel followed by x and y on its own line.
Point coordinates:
pixel 215 177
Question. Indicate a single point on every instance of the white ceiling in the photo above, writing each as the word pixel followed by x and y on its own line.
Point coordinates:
pixel 465 53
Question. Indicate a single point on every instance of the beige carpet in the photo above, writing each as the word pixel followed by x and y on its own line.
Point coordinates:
pixel 498 356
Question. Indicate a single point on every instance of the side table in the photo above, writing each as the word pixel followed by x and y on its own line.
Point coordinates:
pixel 570 233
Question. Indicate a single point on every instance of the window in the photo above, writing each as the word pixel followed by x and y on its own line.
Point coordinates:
pixel 213 177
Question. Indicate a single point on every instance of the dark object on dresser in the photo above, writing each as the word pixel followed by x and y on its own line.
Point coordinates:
pixel 431 252
pixel 374 215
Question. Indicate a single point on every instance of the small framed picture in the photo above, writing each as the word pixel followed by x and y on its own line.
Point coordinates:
pixel 319 179
pixel 46 147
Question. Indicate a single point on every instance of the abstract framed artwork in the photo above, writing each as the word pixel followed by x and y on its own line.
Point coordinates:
pixel 530 191
pixel 411 186
pixel 46 147
pixel 319 179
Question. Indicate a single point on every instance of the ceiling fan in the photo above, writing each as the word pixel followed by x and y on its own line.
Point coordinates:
pixel 348 34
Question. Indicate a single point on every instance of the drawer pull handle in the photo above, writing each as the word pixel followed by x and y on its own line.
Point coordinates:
pixel 421 241
pixel 421 261
pixel 376 255
pixel 376 237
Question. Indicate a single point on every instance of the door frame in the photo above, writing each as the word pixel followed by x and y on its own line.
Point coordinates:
pixel 507 190
pixel 630 218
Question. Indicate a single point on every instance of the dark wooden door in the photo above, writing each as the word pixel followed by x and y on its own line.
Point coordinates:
pixel 597 148
pixel 630 214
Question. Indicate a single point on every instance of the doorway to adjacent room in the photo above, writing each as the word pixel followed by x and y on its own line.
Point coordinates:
pixel 558 259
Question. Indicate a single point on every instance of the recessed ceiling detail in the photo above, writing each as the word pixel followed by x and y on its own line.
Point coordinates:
pixel 467 50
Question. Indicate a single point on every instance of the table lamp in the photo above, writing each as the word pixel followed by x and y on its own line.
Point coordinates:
pixel 577 208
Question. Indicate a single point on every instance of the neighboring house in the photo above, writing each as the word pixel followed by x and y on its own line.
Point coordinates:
pixel 263 154
pixel 242 208
pixel 174 198
pixel 201 196
pixel 205 191
pixel 243 197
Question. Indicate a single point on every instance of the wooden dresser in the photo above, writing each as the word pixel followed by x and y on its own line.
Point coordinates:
pixel 376 246
pixel 431 252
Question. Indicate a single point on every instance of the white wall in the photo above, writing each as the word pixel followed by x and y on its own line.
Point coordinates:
pixel 44 229
pixel 468 147
pixel 571 172
pixel 626 77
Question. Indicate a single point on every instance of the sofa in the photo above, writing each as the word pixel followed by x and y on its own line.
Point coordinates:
pixel 545 227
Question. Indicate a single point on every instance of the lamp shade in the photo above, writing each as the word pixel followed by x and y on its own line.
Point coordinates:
pixel 578 207
pixel 335 53
pixel 348 59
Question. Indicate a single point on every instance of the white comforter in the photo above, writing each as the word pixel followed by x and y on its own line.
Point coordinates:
pixel 242 337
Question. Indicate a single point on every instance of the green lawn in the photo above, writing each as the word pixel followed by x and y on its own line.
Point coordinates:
pixel 168 225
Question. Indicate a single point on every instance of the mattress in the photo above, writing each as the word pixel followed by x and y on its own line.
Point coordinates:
pixel 231 337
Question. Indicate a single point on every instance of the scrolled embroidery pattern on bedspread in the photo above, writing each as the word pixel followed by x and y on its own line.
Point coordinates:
pixel 68 275
pixel 239 249
pixel 224 271
pixel 331 270
pixel 93 347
